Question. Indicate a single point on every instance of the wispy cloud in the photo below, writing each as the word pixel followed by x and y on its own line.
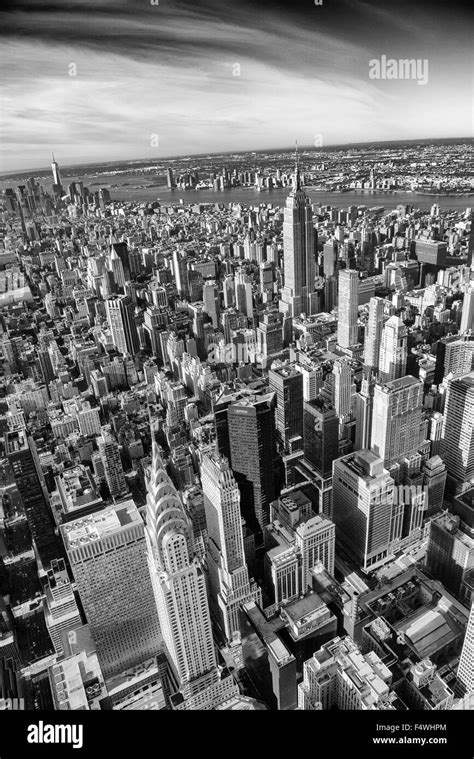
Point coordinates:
pixel 171 70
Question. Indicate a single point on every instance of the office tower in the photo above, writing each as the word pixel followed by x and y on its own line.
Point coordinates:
pixel 287 383
pixel 397 419
pixel 457 443
pixel 363 409
pixel 296 540
pixel 454 355
pixel 340 676
pixel 321 435
pixel 362 506
pixel 76 680
pixel 180 271
pixel 170 179
pixel 61 612
pixel 252 455
pixel 342 374
pixel 269 336
pixel 116 267
pixel 393 350
pixel 211 298
pixel 107 554
pixel 243 294
pixel 466 662
pixel 109 286
pixel 435 432
pixel 46 367
pixel 299 248
pixel 373 333
pixel 89 421
pixel 267 280
pixel 23 457
pixel 179 585
pixel 56 174
pixel 120 316
pixel 113 469
pixel 467 314
pixel 450 550
pixel 229 582
pixel 121 250
pixel 268 661
pixel 228 288
pixel 434 482
pixel 347 314
pixel 312 379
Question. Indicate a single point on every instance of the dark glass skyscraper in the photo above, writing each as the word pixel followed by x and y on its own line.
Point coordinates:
pixel 321 436
pixel 22 455
pixel 252 446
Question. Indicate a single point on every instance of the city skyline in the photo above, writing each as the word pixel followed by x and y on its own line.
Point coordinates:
pixel 237 389
pixel 200 79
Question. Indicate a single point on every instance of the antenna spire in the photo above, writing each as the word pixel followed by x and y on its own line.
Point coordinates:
pixel 297 184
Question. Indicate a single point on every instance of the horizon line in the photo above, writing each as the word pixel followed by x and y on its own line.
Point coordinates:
pixel 332 146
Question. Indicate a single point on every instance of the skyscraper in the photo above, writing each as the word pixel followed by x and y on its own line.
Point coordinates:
pixel 362 506
pixel 120 316
pixel 107 553
pixel 348 301
pixel 454 355
pixel 179 585
pixel 363 409
pixel 298 250
pixel 252 449
pixel 228 574
pixel 457 443
pixel 321 436
pixel 180 271
pixel 373 333
pixel 211 298
pixel 393 350
pixel 170 179
pixel 466 662
pixel 61 611
pixel 56 174
pixel 342 374
pixel 243 294
pixel 287 383
pixel 23 457
pixel 467 315
pixel 397 420
pixel 116 267
pixel 450 549
pixel 110 454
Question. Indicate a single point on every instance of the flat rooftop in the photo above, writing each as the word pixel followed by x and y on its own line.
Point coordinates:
pixel 402 382
pixel 304 607
pixel 96 526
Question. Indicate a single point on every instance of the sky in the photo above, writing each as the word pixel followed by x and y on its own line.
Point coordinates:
pixel 99 80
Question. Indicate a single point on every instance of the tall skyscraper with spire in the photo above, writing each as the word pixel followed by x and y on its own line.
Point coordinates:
pixel 180 589
pixel 299 248
pixel 56 174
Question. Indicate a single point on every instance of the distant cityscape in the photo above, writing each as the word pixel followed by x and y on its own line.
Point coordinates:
pixel 237 432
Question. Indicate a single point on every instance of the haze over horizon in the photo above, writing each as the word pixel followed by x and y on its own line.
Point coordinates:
pixel 180 157
pixel 165 73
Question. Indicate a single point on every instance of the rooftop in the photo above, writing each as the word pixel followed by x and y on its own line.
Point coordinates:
pixel 95 526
